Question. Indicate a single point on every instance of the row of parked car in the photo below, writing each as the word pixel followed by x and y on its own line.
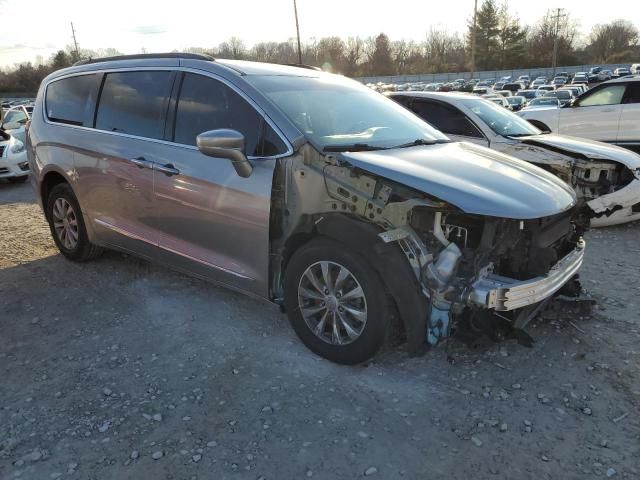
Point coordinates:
pixel 594 75
pixel 341 205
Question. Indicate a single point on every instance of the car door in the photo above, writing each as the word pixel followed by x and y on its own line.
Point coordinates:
pixel 213 222
pixel 114 161
pixel 629 129
pixel 449 120
pixel 595 115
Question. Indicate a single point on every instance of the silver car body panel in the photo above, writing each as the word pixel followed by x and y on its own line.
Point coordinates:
pixel 475 179
pixel 145 212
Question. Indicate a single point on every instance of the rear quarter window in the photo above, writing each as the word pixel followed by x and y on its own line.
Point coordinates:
pixel 72 100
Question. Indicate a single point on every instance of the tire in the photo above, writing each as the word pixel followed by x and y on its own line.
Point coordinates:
pixel 374 302
pixel 75 245
pixel 21 179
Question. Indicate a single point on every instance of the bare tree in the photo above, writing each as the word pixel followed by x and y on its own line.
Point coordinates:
pixel 354 53
pixel 443 51
pixel 233 48
pixel 541 36
pixel 613 42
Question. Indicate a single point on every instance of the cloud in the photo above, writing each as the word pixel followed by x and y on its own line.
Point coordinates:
pixel 20 47
pixel 150 29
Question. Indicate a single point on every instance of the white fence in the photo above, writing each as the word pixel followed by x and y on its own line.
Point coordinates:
pixel 447 77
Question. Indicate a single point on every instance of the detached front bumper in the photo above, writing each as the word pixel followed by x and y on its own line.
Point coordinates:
pixel 502 293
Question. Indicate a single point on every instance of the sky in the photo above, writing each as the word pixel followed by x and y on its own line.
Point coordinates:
pixel 32 28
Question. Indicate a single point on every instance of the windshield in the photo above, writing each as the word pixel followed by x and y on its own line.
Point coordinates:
pixel 501 121
pixel 332 112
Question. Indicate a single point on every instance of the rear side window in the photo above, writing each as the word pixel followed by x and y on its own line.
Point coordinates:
pixel 207 104
pixel 607 95
pixel 446 119
pixel 72 100
pixel 135 103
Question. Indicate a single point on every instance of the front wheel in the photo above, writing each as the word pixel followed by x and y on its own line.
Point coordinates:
pixel 336 302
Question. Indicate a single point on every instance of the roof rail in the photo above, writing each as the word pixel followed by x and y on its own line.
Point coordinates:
pixel 301 65
pixel 141 56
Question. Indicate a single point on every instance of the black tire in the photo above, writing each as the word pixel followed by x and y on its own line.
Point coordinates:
pixel 21 179
pixel 83 250
pixel 378 304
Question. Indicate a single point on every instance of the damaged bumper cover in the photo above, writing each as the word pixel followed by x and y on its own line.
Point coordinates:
pixel 502 293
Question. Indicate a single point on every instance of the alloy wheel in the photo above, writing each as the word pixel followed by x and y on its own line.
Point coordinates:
pixel 332 303
pixel 65 223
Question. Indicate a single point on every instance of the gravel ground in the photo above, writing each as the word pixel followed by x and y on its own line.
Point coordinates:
pixel 118 369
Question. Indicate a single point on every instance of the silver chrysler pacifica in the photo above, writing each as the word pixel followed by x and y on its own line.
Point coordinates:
pixel 300 187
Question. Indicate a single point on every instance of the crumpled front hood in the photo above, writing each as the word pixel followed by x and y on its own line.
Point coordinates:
pixel 589 148
pixel 475 179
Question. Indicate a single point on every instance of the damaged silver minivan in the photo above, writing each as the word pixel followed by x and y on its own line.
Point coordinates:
pixel 301 187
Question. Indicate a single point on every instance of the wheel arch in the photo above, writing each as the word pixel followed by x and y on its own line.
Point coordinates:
pixel 387 259
pixel 50 180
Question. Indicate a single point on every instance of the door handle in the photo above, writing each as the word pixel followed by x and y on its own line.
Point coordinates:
pixel 141 162
pixel 167 169
pixel 608 110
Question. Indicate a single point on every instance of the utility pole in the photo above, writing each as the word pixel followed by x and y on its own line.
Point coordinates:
pixel 473 39
pixel 75 43
pixel 295 11
pixel 554 58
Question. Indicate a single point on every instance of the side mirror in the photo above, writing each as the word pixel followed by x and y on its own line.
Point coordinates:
pixel 226 143
pixel 11 126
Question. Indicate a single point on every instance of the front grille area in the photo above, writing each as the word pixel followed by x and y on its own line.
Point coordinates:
pixel 3 170
pixel 2 147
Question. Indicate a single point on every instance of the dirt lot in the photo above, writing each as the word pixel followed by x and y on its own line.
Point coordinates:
pixel 118 369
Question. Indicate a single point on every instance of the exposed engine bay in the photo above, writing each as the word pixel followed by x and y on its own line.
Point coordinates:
pixel 459 263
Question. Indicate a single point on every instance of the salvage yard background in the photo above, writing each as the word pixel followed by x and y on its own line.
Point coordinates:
pixel 121 369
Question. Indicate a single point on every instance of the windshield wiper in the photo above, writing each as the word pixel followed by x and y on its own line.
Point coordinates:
pixel 352 147
pixel 420 141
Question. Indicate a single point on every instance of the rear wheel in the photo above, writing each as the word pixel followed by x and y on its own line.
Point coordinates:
pixel 336 302
pixel 67 225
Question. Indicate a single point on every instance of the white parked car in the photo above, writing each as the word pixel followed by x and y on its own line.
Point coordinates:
pixel 605 177
pixel 13 159
pixel 14 121
pixel 609 112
